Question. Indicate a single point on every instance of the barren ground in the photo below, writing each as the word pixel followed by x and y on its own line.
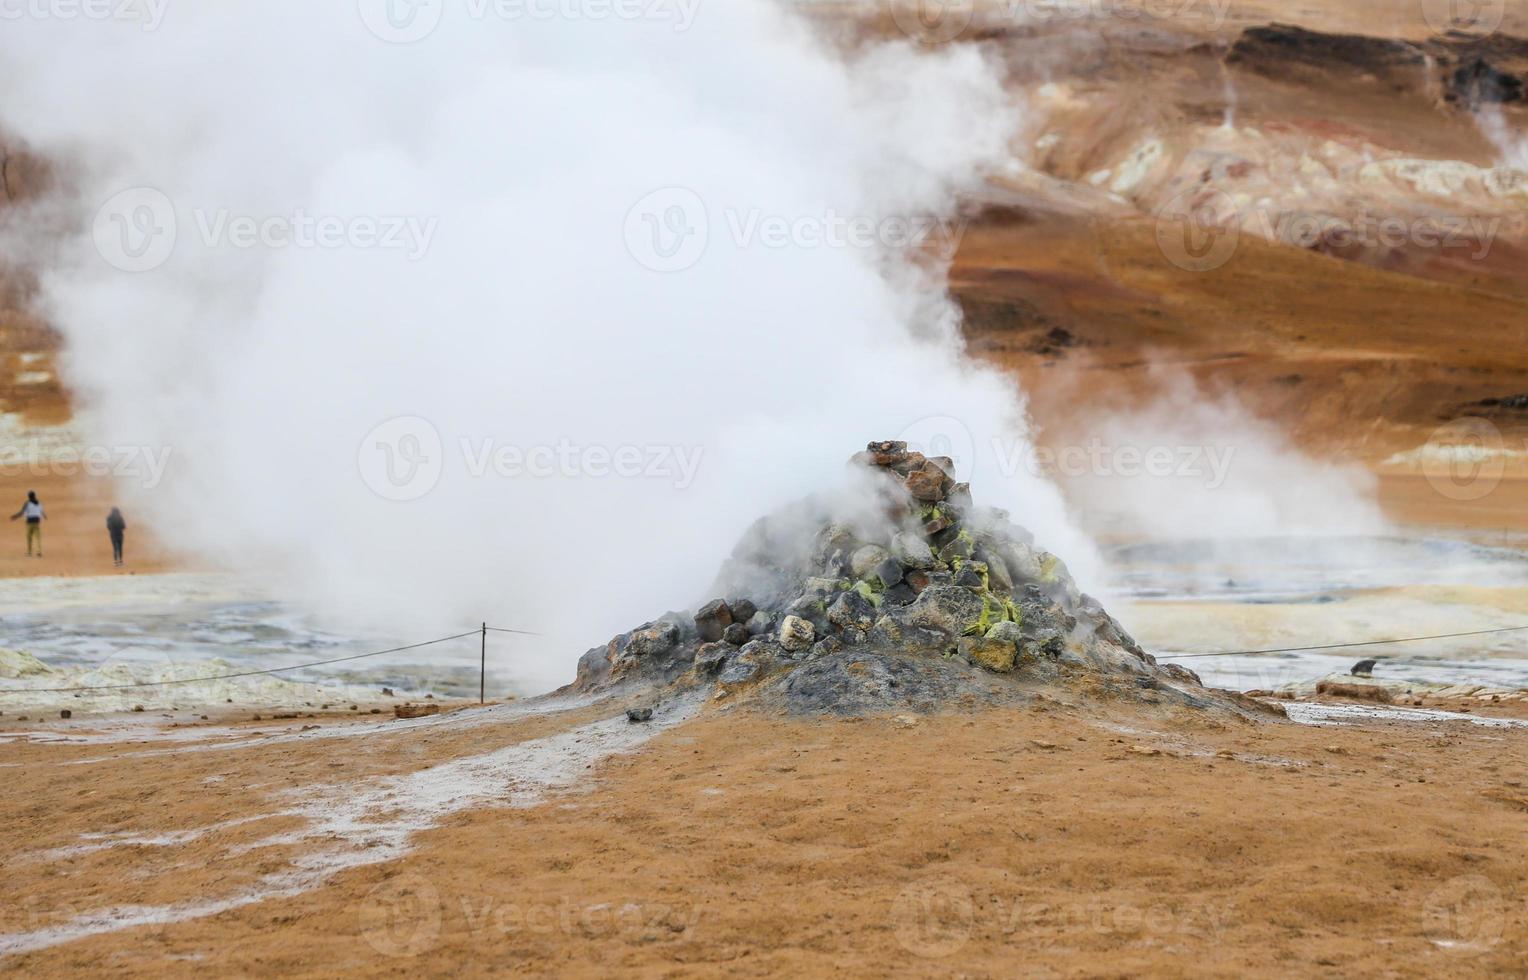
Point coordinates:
pixel 1058 841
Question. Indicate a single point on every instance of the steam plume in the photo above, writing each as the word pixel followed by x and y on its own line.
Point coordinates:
pixel 526 320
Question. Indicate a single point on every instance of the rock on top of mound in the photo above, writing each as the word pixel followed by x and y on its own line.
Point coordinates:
pixel 919 598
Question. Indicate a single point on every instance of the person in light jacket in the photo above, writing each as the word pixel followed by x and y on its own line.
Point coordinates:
pixel 35 515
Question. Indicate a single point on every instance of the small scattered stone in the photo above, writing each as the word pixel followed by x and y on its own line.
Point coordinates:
pixel 415 710
pixel 637 715
pixel 1355 692
pixel 66 713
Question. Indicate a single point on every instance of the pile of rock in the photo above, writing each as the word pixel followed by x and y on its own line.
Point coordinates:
pixel 928 575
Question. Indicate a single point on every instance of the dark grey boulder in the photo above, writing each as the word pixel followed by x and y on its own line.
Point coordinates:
pixel 739 672
pixel 714 617
pixel 912 551
pixel 866 559
pixel 886 574
pixel 826 646
pixel 653 639
pixel 947 608
pixel 712 656
pixel 852 611
pixel 796 633
pixel 972 575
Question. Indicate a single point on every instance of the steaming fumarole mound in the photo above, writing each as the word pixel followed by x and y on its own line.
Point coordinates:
pixel 908 595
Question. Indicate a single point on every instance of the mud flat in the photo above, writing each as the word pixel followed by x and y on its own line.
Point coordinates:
pixel 1071 836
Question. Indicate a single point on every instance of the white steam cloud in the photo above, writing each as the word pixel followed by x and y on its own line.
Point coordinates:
pixel 445 230
pixel 1186 464
pixel 1511 145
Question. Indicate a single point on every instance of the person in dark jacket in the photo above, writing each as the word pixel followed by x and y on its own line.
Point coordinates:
pixel 115 525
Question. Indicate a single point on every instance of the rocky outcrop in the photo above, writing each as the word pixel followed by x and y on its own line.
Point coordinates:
pixel 928 601
pixel 1474 70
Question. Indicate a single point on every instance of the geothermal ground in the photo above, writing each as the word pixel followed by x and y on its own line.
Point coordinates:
pixel 1376 828
pixel 1073 838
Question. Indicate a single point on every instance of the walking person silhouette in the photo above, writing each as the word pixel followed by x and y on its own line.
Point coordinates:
pixel 115 525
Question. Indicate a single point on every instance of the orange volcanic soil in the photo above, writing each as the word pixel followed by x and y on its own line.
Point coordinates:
pixel 1063 840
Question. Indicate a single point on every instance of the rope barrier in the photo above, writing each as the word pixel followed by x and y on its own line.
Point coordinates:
pixel 256 673
pixel 1343 646
pixel 485 629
